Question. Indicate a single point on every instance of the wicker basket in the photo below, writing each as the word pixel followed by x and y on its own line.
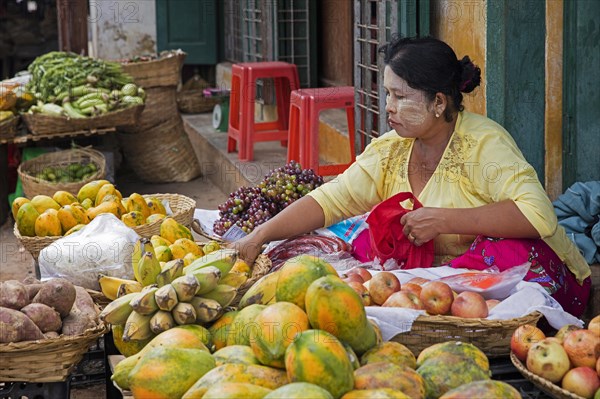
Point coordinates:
pixel 40 124
pixel 161 104
pixel 162 154
pixel 165 71
pixel 33 186
pixel 49 360
pixel 194 102
pixel 491 336
pixel 543 384
pixel 8 127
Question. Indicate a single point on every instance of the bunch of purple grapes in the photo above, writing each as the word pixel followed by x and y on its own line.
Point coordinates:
pixel 249 207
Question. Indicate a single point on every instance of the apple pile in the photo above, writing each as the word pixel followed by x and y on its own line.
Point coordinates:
pixel 435 297
pixel 570 359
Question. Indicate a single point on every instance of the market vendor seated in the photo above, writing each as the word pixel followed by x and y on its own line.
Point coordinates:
pixel 465 169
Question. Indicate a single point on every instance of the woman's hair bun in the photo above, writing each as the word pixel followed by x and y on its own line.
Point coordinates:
pixel 470 76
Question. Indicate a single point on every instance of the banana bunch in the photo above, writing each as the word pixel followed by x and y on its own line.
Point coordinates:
pixel 173 295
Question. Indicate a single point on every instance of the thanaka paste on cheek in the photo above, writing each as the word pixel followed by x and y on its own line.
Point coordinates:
pixel 412 113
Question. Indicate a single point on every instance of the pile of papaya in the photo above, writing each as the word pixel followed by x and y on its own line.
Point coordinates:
pixel 65 213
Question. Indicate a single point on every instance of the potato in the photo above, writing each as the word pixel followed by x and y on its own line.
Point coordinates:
pixel 83 314
pixel 84 302
pixel 31 280
pixel 33 289
pixel 57 293
pixel 16 327
pixel 46 318
pixel 51 334
pixel 13 295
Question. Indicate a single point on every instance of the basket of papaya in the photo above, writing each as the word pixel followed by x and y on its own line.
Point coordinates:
pixel 46 328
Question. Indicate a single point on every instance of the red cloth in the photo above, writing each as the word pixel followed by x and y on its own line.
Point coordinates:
pixel 387 239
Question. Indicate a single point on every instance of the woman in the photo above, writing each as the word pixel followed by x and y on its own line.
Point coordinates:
pixel 466 170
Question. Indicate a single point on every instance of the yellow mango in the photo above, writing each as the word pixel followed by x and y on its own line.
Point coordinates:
pixel 71 215
pixel 163 253
pixel 178 251
pixel 43 202
pixel 156 207
pixel 64 198
pixel 133 219
pixel 87 203
pixel 172 231
pixel 16 204
pixel 104 207
pixel 107 189
pixel 189 246
pixel 26 217
pixel 74 229
pixel 155 217
pixel 158 241
pixel 136 202
pixel 90 190
pixel 48 225
pixel 189 258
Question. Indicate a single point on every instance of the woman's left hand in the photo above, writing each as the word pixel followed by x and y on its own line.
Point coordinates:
pixel 421 225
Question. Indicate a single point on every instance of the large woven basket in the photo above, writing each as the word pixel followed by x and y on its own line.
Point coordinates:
pixel 40 124
pixel 491 336
pixel 194 102
pixel 49 360
pixel 34 186
pixel 543 384
pixel 165 71
pixel 8 127
pixel 161 105
pixel 162 154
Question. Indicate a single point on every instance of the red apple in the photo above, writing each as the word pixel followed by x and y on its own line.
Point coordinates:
pixel 403 299
pixel 362 272
pixel 523 338
pixel 594 325
pixel 436 297
pixel 418 280
pixel 548 360
pixel 412 287
pixel 362 292
pixel 469 304
pixel 352 277
pixel 491 304
pixel 582 381
pixel 583 348
pixel 564 330
pixel 382 285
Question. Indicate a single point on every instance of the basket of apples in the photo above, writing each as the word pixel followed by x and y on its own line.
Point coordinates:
pixel 566 365
pixel 450 316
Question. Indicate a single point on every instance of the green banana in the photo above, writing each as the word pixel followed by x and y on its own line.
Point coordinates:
pixel 170 271
pixel 184 313
pixel 161 321
pixel 137 327
pixel 166 297
pixel 223 293
pixel 207 277
pixel 142 245
pixel 223 259
pixel 118 310
pixel 148 268
pixel 185 287
pixel 145 303
pixel 207 310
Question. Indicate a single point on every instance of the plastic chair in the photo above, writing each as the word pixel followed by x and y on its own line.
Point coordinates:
pixel 243 130
pixel 305 107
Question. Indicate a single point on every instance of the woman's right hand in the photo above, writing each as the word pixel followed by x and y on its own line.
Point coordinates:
pixel 249 247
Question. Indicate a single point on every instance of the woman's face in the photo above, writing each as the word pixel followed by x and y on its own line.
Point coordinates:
pixel 410 114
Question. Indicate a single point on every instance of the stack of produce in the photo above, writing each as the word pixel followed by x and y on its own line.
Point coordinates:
pixel 569 360
pixel 249 207
pixel 158 148
pixel 307 337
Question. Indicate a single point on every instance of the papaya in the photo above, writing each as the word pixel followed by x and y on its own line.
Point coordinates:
pixel 158 241
pixel 390 351
pixel 133 219
pixel 87 204
pixel 177 251
pixel 16 204
pixel 115 199
pixel 235 354
pixel 189 258
pixel 136 202
pixel 354 359
pixel 168 372
pixel 277 325
pixel 263 376
pixel 299 390
pixel 43 202
pixel 90 191
pixel 483 389
pixel 75 228
pixel 155 218
pixel 235 390
pixel 64 198
pixel 189 246
pixel 104 207
pixel 333 306
pixel 172 231
pixel 26 217
pixel 464 349
pixel 155 206
pixel 48 225
pixel 447 371
pixel 127 348
pixel 122 370
pixel 163 254
pixel 72 215
pixel 106 189
pixel 243 324
pixel 297 274
pixel 261 292
pixel 220 329
pixel 317 357
pixel 381 393
pixel 389 375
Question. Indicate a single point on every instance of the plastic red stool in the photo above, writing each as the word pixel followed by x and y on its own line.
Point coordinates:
pixel 243 129
pixel 303 138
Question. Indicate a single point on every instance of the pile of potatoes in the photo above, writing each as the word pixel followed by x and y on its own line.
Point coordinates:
pixel 31 310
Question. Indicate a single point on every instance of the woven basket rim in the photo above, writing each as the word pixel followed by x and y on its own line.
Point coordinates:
pixel 542 383
pixel 23 166
pixel 99 329
pixel 8 127
pixel 166 56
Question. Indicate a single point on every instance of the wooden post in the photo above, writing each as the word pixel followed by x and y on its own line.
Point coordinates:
pixel 73 25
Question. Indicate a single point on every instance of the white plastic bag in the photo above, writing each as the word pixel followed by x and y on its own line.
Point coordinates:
pixel 102 247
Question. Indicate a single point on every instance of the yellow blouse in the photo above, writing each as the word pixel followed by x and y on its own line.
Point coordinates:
pixel 480 165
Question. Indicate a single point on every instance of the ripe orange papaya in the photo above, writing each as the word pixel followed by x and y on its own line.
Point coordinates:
pixel 299 390
pixel 220 329
pixel 390 351
pixel 463 349
pixel 389 375
pixel 483 389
